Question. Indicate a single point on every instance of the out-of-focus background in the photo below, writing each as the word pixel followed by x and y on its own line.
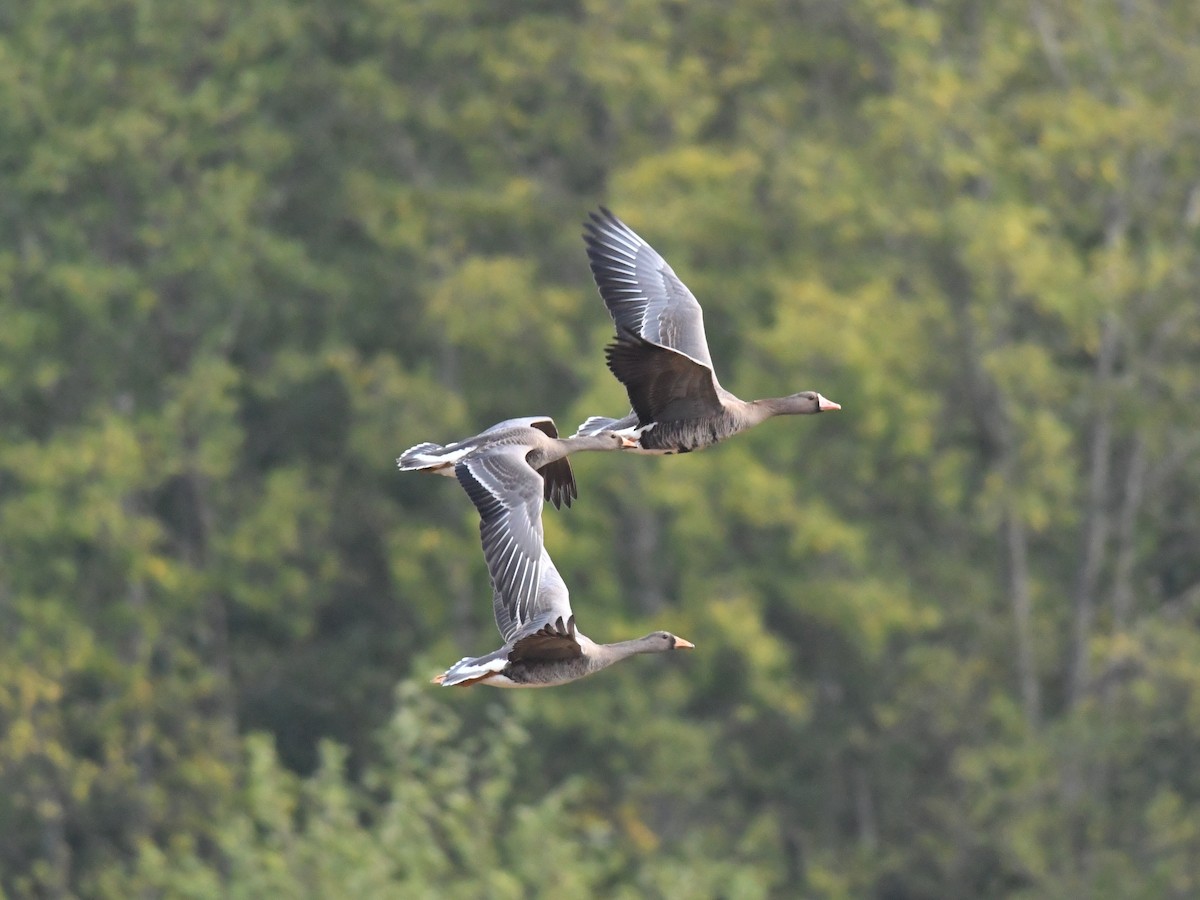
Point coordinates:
pixel 948 640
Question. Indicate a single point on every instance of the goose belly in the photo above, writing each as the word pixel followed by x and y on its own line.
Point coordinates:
pixel 503 681
pixel 683 436
pixel 543 674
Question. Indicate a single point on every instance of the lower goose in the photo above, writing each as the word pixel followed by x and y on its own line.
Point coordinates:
pixel 542 645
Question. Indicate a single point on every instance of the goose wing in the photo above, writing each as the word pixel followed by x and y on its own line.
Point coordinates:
pixel 554 641
pixel 560 488
pixel 643 294
pixel 544 424
pixel 662 385
pixel 660 353
pixel 508 495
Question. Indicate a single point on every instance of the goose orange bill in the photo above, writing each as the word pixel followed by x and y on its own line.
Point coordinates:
pixel 824 403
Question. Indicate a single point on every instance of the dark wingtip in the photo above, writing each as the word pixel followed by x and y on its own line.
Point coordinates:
pixel 598 218
pixel 592 222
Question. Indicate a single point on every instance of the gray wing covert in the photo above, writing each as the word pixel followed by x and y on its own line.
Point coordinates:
pixel 560 488
pixel 553 603
pixel 643 294
pixel 508 495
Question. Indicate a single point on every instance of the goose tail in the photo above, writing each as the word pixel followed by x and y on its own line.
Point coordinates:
pixel 471 670
pixel 430 457
pixel 595 425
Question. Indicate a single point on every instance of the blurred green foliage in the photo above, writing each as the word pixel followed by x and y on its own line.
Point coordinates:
pixel 947 638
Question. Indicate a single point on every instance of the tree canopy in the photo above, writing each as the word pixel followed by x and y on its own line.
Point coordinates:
pixel 948 639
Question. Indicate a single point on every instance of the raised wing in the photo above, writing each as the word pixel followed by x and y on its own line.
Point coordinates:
pixel 642 293
pixel 508 495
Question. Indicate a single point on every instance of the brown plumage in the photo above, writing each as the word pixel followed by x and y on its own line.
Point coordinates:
pixel 661 354
pixel 531 603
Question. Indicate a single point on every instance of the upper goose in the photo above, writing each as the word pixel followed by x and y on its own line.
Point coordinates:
pixel 542 646
pixel 546 452
pixel 661 355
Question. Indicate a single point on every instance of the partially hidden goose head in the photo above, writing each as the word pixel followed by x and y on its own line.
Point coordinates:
pixel 538 437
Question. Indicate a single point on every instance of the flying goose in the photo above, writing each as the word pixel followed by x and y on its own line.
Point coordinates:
pixel 661 355
pixel 546 452
pixel 542 646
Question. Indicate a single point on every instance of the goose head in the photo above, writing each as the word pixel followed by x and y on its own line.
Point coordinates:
pixel 805 403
